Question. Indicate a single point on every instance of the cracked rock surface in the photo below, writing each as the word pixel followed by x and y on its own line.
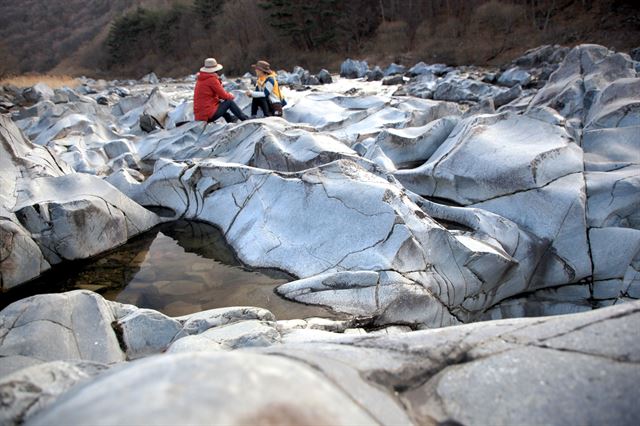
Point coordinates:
pixel 448 196
pixel 441 210
pixel 581 367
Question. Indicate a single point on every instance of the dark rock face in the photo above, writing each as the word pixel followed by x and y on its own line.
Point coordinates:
pixel 375 74
pixel 324 77
pixel 37 93
pixel 508 96
pixel 391 80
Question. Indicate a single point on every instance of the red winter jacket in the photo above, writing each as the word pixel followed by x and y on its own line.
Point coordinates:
pixel 207 95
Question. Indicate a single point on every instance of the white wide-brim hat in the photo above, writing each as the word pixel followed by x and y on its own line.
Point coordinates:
pixel 211 65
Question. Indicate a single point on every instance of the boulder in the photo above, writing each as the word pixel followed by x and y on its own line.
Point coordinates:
pixel 120 91
pixel 422 86
pixel 157 106
pixel 567 258
pixel 300 71
pixel 375 74
pixel 202 321
pixel 70 326
pixel 424 111
pixel 311 80
pixel 403 235
pixel 60 97
pixel 353 69
pixel 150 78
pixel 394 69
pixel 489 77
pixel 117 147
pixel 324 77
pixel 145 332
pixel 180 115
pixel 421 68
pixel 561 300
pixel 484 106
pixel 332 375
pixel 514 76
pixel 286 78
pixel 330 111
pixel 243 334
pixel 148 124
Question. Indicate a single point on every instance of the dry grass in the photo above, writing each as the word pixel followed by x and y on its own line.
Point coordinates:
pixel 53 81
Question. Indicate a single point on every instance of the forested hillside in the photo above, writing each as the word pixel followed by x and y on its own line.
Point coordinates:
pixel 130 38
pixel 37 35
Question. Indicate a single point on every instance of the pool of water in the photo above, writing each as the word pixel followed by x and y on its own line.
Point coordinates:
pixel 176 268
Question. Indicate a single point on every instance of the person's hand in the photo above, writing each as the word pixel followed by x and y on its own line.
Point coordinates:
pixel 248 93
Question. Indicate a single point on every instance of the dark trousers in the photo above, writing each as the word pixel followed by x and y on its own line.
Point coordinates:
pixel 223 109
pixel 263 104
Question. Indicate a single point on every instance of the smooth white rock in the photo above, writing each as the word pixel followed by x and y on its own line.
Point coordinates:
pixel 246 390
pixel 490 156
pixel 74 326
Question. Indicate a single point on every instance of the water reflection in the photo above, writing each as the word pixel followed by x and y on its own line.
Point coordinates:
pixel 178 268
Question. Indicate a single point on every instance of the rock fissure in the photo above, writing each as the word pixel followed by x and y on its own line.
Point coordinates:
pixel 621 359
pixel 246 201
pixel 583 326
pixel 525 190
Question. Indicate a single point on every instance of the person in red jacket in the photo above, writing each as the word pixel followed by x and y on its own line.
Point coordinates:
pixel 210 100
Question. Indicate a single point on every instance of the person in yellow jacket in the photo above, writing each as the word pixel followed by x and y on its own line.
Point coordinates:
pixel 266 96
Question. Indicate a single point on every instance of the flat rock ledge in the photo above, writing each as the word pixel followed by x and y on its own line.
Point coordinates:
pixel 241 365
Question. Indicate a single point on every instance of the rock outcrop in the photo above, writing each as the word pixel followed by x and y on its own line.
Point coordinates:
pixel 400 208
pixel 50 214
